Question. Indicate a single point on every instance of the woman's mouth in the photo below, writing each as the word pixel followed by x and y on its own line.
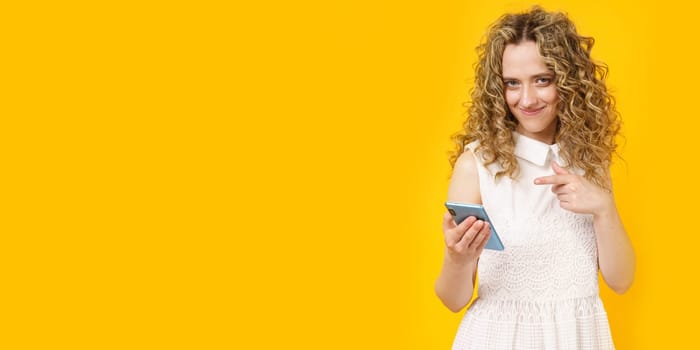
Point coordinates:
pixel 531 111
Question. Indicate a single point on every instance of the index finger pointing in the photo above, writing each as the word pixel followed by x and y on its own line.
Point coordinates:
pixel 552 180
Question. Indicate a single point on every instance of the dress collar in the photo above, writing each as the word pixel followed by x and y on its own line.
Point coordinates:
pixel 534 151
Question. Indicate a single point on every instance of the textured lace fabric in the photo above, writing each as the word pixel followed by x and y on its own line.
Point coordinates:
pixel 541 292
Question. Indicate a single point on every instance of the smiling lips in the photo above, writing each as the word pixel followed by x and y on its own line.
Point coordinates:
pixel 531 111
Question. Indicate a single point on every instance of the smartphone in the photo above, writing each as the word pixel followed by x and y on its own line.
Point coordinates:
pixel 461 211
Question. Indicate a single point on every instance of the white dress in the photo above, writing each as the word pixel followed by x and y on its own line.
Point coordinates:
pixel 541 292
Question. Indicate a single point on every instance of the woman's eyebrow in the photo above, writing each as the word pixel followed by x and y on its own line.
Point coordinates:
pixel 538 75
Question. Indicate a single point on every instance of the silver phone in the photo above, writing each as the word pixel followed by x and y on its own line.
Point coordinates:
pixel 461 211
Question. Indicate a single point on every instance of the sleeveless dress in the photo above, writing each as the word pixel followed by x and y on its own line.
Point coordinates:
pixel 541 292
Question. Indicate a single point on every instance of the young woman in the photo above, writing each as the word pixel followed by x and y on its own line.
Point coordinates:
pixel 535 151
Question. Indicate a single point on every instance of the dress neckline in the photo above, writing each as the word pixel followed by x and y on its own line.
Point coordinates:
pixel 534 151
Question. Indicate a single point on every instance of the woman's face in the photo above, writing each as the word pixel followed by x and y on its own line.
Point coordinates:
pixel 530 91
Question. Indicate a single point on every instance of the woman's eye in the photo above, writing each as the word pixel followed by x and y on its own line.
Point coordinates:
pixel 544 80
pixel 510 83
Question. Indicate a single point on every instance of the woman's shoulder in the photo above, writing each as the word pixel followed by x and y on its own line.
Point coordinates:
pixel 464 184
pixel 467 162
pixel 473 157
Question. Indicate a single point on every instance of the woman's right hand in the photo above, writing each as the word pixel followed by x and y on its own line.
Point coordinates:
pixel 465 241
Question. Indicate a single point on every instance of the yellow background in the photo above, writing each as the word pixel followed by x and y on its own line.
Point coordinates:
pixel 218 175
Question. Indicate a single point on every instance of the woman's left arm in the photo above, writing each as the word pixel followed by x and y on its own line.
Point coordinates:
pixel 616 257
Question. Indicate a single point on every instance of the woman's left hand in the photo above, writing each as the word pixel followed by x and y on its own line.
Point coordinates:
pixel 576 193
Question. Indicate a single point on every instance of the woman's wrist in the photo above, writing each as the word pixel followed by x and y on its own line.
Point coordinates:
pixel 606 211
pixel 459 261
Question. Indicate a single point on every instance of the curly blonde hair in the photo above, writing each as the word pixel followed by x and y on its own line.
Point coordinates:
pixel 587 119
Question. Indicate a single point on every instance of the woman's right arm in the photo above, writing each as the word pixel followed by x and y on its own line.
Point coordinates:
pixel 464 242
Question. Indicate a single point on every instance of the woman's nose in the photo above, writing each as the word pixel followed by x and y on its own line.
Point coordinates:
pixel 528 97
